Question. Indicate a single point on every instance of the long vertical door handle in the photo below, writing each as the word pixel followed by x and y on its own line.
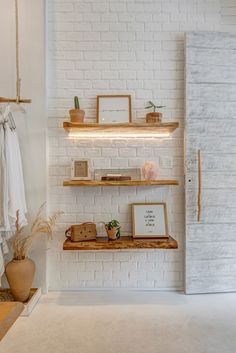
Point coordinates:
pixel 199 201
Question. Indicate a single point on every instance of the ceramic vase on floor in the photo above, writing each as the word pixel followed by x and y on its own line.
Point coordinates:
pixel 20 275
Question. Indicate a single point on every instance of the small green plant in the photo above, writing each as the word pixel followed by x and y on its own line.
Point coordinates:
pixel 153 106
pixel 114 224
pixel 76 102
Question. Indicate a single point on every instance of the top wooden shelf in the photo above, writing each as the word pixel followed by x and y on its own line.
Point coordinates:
pixel 133 129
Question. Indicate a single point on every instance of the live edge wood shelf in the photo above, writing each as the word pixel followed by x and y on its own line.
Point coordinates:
pixel 132 129
pixel 122 243
pixel 161 182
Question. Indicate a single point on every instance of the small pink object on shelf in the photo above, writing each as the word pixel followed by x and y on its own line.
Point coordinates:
pixel 149 171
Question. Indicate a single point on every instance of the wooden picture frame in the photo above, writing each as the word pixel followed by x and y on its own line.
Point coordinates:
pixel 114 109
pixel 80 169
pixel 144 220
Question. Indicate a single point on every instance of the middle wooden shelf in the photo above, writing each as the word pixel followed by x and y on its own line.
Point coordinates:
pixel 160 182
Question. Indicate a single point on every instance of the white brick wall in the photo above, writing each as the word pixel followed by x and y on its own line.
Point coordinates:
pixel 133 47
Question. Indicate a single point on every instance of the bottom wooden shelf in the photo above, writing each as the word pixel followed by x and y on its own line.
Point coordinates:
pixel 122 243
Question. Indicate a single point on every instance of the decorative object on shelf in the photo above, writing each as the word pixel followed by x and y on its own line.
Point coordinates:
pixel 153 117
pixel 118 174
pixel 18 98
pixel 80 169
pixel 76 114
pixel 150 220
pixel 113 229
pixel 82 232
pixel 20 270
pixel 114 109
pixel 149 171
pixel 115 178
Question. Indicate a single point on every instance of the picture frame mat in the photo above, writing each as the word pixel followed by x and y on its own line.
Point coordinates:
pixel 74 169
pixel 112 115
pixel 140 230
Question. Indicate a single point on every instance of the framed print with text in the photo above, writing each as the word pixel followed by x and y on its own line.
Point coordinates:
pixel 150 220
pixel 114 109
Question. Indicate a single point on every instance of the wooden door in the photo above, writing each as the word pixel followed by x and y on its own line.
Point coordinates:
pixel 210 254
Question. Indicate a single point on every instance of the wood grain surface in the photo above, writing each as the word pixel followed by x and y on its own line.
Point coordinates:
pixel 122 243
pixel 14 100
pixel 161 182
pixel 134 128
pixel 9 312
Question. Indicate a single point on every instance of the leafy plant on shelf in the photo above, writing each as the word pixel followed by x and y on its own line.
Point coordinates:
pixel 76 102
pixel 154 106
pixel 114 224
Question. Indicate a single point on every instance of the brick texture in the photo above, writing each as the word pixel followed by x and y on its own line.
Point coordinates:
pixel 133 47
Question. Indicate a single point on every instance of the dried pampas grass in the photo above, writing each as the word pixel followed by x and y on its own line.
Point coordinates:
pixel 41 225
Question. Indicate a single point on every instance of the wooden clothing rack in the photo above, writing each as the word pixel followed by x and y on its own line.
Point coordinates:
pixel 18 98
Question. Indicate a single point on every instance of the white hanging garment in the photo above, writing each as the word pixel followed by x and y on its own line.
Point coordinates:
pixel 4 220
pixel 3 170
pixel 12 191
pixel 16 189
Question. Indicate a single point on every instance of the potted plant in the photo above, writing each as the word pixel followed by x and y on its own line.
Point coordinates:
pixel 113 229
pixel 21 269
pixel 153 117
pixel 76 114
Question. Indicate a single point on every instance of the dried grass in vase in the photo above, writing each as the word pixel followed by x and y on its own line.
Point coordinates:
pixel 41 225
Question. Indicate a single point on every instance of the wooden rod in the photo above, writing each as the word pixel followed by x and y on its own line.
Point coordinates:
pixel 17 55
pixel 14 100
pixel 199 186
pixel 18 99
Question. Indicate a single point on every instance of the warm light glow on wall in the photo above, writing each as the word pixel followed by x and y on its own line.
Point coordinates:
pixel 100 135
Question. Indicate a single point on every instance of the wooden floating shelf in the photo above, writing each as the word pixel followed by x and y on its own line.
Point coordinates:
pixel 122 243
pixel 132 129
pixel 160 182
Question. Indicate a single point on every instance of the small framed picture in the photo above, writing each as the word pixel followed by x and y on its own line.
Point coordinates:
pixel 80 169
pixel 114 109
pixel 149 220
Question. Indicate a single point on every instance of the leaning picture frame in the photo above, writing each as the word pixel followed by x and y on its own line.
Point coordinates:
pixel 80 169
pixel 114 109
pixel 149 220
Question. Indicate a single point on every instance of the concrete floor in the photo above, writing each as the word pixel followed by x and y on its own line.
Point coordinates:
pixel 125 322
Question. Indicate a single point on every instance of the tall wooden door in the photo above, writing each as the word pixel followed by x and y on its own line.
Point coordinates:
pixel 210 162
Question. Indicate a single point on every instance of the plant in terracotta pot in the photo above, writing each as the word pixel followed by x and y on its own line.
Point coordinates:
pixel 20 270
pixel 113 229
pixel 76 114
pixel 153 117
